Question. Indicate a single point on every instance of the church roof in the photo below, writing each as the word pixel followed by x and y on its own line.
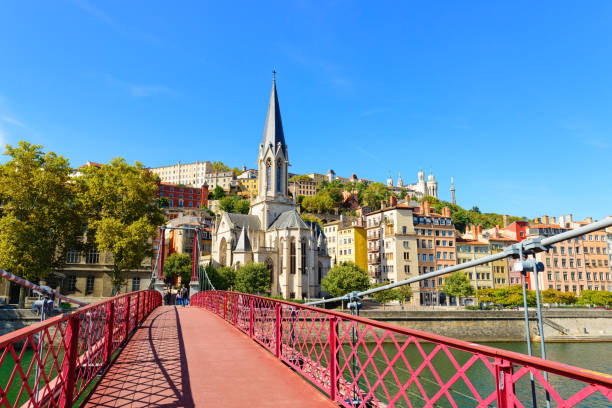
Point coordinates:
pixel 288 219
pixel 243 220
pixel 273 130
pixel 243 244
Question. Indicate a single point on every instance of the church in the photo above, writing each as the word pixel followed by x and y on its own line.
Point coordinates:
pixel 273 233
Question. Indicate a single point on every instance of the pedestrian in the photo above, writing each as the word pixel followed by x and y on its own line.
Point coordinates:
pixel 178 297
pixel 185 296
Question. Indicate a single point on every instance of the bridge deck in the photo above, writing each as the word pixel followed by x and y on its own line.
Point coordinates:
pixel 185 357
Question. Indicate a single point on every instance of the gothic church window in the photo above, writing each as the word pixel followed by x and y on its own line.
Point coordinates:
pixel 292 257
pixel 269 175
pixel 278 176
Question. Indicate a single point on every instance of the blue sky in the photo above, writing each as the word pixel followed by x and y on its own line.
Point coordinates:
pixel 512 99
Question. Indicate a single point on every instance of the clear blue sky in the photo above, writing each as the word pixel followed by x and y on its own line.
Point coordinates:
pixel 513 99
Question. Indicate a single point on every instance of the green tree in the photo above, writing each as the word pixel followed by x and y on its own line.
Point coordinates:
pixel 320 203
pixel 374 194
pixel 344 278
pixel 385 296
pixel 41 219
pixel 457 284
pixel 178 265
pixel 219 166
pixel 234 204
pixel 119 200
pixel 163 202
pixel 405 294
pixel 595 298
pixel 242 206
pixel 253 278
pixel 218 193
pixel 302 177
pixel 311 219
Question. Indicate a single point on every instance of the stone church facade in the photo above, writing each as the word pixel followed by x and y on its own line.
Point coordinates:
pixel 273 233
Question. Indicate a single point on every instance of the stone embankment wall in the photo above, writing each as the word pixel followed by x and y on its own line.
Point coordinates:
pixel 476 325
pixel 15 319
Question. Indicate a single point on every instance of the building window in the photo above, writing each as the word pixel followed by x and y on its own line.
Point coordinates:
pixel 292 258
pixel 71 283
pixel 135 284
pixel 303 257
pixel 93 256
pixel 73 256
pixel 89 287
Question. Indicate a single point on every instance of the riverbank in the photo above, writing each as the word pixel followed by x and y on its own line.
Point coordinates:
pixel 560 325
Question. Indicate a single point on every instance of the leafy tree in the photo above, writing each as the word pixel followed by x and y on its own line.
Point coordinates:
pixel 595 298
pixel 253 278
pixel 457 284
pixel 234 204
pixel 229 277
pixel 219 166
pixel 119 200
pixel 163 202
pixel 41 219
pixel 344 278
pixel 556 296
pixel 178 265
pixel 320 203
pixel 386 296
pixel 302 177
pixel 507 296
pixel 405 294
pixel 374 194
pixel 475 209
pixel 222 278
pixel 218 193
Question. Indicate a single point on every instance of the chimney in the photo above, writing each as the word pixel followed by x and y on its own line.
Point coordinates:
pixel 426 207
pixel 537 220
pixel 383 204
pixel 342 220
pixel 478 231
pixel 360 221
pixel 407 198
pixel 545 219
pixel 569 220
pixel 393 201
pixel 446 211
pixel 589 219
pixel 553 220
pixel 505 220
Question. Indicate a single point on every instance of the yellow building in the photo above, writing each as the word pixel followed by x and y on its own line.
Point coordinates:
pixel 248 187
pixel 352 246
pixel 468 250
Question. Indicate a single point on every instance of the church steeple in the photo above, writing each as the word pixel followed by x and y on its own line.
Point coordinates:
pixel 273 130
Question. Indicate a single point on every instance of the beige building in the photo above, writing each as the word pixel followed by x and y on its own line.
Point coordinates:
pixel 189 174
pixel 306 188
pixel 225 179
pixel 480 276
pixel 331 237
pixel 391 243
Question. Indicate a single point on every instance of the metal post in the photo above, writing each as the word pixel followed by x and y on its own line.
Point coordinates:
pixel 224 304
pixel 278 329
pixel 70 360
pixel 127 317
pixel 137 317
pixel 251 322
pixel 540 325
pixel 333 362
pixel 236 310
pixel 527 329
pixel 503 383
pixel 110 321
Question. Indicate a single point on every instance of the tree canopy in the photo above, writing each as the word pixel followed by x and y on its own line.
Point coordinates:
pixel 595 298
pixel 41 218
pixel 218 193
pixel 389 295
pixel 253 278
pixel 119 202
pixel 235 204
pixel 344 278
pixel 178 265
pixel 457 284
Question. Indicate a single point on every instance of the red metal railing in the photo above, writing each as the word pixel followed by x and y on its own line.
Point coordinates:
pixel 52 363
pixel 359 362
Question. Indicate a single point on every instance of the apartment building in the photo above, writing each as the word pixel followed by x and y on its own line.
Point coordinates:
pixel 352 245
pixel 188 174
pixel 180 196
pixel 480 276
pixel 498 239
pixel 392 246
pixel 306 188
pixel 435 241
pixel 224 179
pixel 247 183
pixel 574 265
pixel 330 231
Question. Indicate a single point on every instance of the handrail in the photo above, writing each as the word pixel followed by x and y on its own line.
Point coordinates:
pixel 68 351
pixel 299 327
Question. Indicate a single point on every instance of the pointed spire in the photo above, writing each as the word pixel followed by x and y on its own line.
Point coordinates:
pixel 273 130
pixel 243 244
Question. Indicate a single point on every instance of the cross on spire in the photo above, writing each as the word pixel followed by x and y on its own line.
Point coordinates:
pixel 274 74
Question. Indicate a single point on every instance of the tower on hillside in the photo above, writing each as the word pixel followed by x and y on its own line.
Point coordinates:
pixel 452 189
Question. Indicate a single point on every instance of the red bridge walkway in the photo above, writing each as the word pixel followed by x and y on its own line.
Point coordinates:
pixel 184 357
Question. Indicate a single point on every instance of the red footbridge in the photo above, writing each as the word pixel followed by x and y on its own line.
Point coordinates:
pixel 235 350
